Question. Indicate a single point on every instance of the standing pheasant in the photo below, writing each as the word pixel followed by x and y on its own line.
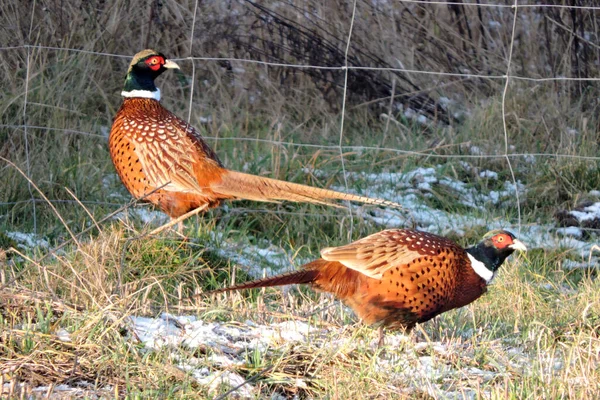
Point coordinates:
pixel 162 159
pixel 401 277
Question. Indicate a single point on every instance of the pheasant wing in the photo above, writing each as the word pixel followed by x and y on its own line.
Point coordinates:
pixel 382 251
pixel 180 149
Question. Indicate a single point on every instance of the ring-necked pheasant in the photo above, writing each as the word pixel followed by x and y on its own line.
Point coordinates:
pixel 400 277
pixel 162 159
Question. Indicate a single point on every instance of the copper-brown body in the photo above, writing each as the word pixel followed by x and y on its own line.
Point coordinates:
pixel 395 301
pixel 161 158
pixel 396 277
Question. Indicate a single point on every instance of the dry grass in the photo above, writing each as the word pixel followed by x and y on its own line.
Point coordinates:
pixel 535 335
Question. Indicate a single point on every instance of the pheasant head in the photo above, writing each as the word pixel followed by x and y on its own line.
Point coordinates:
pixel 145 67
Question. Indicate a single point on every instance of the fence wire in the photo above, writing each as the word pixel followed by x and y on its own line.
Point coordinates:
pixel 508 155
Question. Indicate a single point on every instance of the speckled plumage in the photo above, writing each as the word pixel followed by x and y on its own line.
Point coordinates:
pixel 398 277
pixel 162 159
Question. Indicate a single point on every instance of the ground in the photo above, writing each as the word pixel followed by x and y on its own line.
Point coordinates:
pixel 534 334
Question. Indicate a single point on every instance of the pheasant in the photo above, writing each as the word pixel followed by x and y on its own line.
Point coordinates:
pixel 162 159
pixel 400 277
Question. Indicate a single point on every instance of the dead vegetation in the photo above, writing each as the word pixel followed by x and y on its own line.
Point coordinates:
pixel 65 309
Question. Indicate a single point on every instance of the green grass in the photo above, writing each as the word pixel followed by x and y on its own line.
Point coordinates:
pixel 536 332
pixel 532 317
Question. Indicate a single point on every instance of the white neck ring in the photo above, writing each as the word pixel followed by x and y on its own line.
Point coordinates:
pixel 480 269
pixel 147 94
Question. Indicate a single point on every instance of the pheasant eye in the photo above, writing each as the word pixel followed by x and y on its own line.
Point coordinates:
pixel 500 239
pixel 155 62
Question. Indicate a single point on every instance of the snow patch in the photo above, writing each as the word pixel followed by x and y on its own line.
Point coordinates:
pixel 257 261
pixel 411 187
pixel 572 264
pixel 488 174
pixel 587 213
pixel 188 331
pixel 145 214
pixel 27 240
pixel 570 231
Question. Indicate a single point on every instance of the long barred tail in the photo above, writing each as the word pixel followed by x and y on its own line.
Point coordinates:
pixel 251 187
pixel 290 278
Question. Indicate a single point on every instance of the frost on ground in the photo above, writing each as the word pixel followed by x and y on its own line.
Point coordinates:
pixel 227 345
pixel 146 215
pixel 411 188
pixel 411 368
pixel 260 260
pixel 585 215
pixel 27 240
pixel 427 369
pixel 80 390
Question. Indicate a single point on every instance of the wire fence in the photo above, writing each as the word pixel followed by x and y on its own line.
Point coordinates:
pixel 345 67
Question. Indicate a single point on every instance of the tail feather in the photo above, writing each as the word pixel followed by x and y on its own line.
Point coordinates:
pixel 251 187
pixel 290 278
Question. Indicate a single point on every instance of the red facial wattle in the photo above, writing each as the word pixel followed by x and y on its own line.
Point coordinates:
pixel 502 240
pixel 155 62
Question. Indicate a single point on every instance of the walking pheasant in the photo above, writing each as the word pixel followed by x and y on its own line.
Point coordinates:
pixel 400 277
pixel 162 159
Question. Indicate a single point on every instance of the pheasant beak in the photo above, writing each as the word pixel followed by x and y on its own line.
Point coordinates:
pixel 170 65
pixel 518 245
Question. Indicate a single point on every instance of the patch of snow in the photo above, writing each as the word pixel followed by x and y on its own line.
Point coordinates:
pixel 488 174
pixel 146 215
pixel 63 335
pixel 426 367
pixel 564 289
pixel 484 375
pixel 229 344
pixel 476 150
pixel 168 331
pixel 572 132
pixel 257 260
pixel 492 24
pixel 570 231
pixel 213 380
pixel 594 193
pixel 444 101
pixel 27 240
pixel 156 333
pixel 572 264
pixel 407 189
pixel 77 390
pixel 435 347
pixel 494 196
pixel 588 213
pixel 421 180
